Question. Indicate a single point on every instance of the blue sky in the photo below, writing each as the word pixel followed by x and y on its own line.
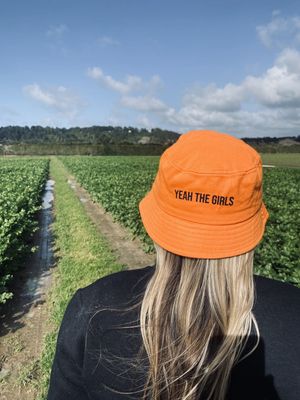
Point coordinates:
pixel 228 65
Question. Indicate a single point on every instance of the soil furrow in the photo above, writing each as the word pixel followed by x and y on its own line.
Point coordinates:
pixel 128 252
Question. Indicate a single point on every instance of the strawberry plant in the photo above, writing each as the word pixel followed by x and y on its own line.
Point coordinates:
pixel 118 183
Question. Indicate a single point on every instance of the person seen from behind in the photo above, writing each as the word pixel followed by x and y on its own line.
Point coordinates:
pixel 199 324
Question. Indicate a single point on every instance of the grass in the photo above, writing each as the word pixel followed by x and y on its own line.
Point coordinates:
pixel 29 374
pixel 281 159
pixel 82 255
pixel 15 344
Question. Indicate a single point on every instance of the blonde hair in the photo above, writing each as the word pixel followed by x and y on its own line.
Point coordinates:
pixel 195 319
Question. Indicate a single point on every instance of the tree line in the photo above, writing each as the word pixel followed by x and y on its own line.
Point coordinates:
pixel 102 140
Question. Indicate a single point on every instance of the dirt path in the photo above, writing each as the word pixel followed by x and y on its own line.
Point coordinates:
pixel 128 252
pixel 23 320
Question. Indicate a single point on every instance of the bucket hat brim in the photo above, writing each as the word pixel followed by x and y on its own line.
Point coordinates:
pixel 194 240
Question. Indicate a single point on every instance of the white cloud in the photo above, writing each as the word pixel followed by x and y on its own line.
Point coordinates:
pixel 260 105
pixel 58 98
pixel 280 31
pixel 267 104
pixel 280 85
pixel 154 84
pixel 57 30
pixel 131 82
pixel 275 97
pixel 243 123
pixel 143 103
pixel 107 41
pixel 212 98
pixel 143 121
pixel 95 73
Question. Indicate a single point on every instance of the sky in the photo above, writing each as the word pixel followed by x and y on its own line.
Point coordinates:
pixel 231 66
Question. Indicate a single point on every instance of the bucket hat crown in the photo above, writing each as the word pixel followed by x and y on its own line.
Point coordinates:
pixel 206 199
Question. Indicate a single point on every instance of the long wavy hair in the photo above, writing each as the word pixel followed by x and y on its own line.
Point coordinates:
pixel 195 318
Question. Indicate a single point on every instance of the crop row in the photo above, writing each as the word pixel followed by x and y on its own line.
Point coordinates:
pixel 21 185
pixel 119 183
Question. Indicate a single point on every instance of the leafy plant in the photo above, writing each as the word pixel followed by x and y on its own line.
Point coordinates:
pixel 118 183
pixel 21 184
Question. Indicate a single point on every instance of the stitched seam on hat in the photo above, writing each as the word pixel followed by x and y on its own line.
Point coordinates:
pixel 214 173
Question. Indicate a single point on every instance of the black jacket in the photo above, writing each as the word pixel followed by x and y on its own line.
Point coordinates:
pixel 79 372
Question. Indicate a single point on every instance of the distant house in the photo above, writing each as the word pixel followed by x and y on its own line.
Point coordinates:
pixel 144 140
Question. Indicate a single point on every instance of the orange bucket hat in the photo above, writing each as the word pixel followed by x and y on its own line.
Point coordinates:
pixel 206 199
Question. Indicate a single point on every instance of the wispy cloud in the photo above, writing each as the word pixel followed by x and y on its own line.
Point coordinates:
pixel 263 105
pixel 143 121
pixel 280 31
pixel 57 31
pixel 266 104
pixel 107 41
pixel 144 103
pixel 59 99
pixel 131 83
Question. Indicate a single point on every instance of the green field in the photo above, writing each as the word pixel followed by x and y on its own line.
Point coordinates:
pixel 282 159
pixel 21 184
pixel 119 183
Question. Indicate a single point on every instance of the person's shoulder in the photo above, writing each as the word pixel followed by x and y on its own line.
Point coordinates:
pixel 270 285
pixel 117 286
pixel 278 296
pixel 119 279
